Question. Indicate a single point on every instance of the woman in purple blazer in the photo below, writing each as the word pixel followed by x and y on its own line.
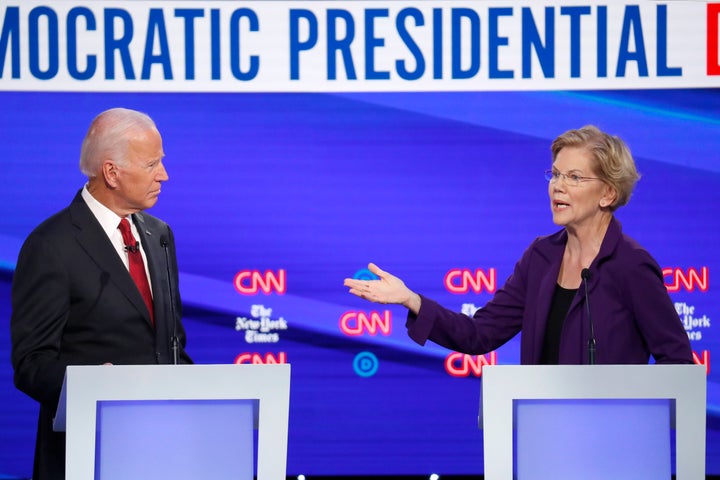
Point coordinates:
pixel 630 316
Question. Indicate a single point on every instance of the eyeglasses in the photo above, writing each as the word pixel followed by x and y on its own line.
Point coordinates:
pixel 571 178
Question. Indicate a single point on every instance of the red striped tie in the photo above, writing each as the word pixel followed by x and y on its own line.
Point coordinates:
pixel 137 267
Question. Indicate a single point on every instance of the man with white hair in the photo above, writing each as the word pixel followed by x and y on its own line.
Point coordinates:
pixel 91 285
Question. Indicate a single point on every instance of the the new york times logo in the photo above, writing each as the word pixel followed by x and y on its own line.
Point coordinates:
pixel 693 322
pixel 261 328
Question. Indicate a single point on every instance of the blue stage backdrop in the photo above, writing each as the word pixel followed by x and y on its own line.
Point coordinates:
pixel 276 196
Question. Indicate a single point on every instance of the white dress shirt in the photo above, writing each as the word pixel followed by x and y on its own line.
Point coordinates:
pixel 109 222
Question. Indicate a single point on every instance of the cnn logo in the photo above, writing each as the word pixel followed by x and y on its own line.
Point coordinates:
pixel 258 359
pixel 357 323
pixel 463 365
pixel 464 280
pixel 252 282
pixel 676 279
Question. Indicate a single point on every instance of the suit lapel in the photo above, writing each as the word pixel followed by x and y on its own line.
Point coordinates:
pixel 98 247
pixel 150 241
pixel 551 258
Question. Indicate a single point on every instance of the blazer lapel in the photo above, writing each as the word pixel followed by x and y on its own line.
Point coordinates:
pixel 551 255
pixel 150 241
pixel 97 245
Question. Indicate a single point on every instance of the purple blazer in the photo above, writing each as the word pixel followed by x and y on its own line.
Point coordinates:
pixel 632 313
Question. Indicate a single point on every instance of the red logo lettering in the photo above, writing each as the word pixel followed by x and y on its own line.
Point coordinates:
pixel 258 359
pixel 356 323
pixel 462 365
pixel 689 280
pixel 702 360
pixel 463 280
pixel 251 282
pixel 713 54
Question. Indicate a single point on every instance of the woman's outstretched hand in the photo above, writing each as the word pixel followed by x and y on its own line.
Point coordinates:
pixel 388 289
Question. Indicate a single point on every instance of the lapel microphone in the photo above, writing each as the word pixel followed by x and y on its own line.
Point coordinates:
pixel 133 248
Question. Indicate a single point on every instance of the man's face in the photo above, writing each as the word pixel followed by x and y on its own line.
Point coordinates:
pixel 139 180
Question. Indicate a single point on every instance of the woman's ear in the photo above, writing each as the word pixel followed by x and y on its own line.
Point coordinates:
pixel 609 196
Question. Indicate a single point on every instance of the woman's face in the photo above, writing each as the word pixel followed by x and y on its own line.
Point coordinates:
pixel 578 198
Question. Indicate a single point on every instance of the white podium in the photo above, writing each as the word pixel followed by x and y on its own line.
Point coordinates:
pixel 593 421
pixel 175 421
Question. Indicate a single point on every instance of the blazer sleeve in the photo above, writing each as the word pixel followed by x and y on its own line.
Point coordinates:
pixel 655 312
pixel 489 328
pixel 40 308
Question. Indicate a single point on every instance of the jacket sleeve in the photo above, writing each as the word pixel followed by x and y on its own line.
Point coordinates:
pixel 40 308
pixel 489 328
pixel 655 312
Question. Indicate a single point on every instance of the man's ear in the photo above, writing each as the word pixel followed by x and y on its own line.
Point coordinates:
pixel 110 173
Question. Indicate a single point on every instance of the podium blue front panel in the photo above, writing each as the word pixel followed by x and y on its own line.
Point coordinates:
pixel 178 439
pixel 592 439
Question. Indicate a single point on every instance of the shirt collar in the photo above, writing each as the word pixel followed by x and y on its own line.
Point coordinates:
pixel 108 219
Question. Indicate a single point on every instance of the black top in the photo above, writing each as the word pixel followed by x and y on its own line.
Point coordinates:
pixel 562 298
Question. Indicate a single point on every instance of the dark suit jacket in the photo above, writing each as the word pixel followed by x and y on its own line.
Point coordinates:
pixel 74 303
pixel 633 315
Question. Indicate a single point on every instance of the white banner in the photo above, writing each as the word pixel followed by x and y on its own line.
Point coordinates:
pixel 317 46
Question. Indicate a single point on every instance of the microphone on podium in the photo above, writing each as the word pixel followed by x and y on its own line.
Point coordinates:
pixel 585 274
pixel 174 339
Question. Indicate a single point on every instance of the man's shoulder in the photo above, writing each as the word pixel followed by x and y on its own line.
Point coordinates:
pixel 150 221
pixel 62 219
pixel 59 222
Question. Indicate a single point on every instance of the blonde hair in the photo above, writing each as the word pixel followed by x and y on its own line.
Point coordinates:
pixel 613 162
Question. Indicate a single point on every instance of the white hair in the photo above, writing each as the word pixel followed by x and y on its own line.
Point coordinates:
pixel 108 137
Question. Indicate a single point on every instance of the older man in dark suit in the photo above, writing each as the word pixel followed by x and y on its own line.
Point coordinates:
pixel 91 285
